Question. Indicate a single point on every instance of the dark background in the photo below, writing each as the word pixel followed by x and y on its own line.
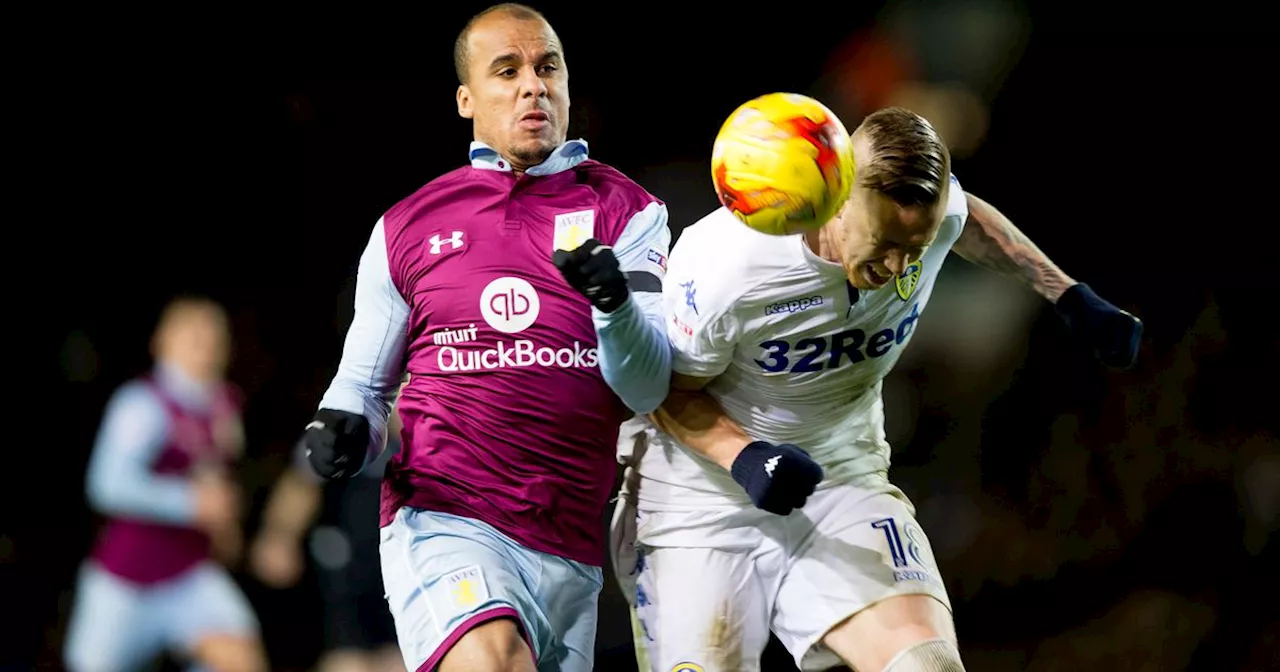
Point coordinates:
pixel 1081 517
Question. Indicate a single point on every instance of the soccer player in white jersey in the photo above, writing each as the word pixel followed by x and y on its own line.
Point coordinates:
pixel 763 502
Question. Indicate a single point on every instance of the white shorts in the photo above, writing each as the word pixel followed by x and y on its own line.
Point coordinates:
pixel 117 625
pixel 710 606
pixel 445 575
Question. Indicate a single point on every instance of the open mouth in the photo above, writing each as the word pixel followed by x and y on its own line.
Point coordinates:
pixel 873 276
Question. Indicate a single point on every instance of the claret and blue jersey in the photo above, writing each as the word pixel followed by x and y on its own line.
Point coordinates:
pixel 518 385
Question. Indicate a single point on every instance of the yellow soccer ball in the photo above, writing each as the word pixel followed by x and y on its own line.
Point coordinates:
pixel 783 164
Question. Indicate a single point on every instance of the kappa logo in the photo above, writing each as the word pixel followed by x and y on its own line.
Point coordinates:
pixel 793 305
pixel 454 241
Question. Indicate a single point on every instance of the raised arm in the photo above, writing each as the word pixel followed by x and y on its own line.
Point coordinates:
pixel 635 356
pixel 990 240
pixel 350 429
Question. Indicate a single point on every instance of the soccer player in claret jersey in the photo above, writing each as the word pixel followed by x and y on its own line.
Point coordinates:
pixel 764 501
pixel 523 292
pixel 162 474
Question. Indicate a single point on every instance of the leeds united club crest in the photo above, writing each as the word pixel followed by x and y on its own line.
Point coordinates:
pixel 906 281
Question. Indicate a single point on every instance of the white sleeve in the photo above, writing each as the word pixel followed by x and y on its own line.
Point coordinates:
pixel 957 205
pixel 372 363
pixel 699 301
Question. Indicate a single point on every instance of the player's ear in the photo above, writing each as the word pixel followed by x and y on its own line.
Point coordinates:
pixel 466 109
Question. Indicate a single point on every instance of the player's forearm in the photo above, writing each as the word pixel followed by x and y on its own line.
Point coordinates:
pixel 354 395
pixel 293 506
pixel 635 355
pixel 698 422
pixel 992 241
pixel 120 481
pixel 369 374
pixel 121 490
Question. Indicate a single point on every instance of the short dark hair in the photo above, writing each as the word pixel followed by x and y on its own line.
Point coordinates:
pixel 461 60
pixel 909 163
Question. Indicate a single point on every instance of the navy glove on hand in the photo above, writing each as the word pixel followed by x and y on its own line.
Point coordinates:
pixel 336 443
pixel 593 270
pixel 777 478
pixel 1113 334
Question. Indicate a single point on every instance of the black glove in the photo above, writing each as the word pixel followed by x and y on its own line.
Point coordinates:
pixel 1111 333
pixel 593 270
pixel 336 443
pixel 777 478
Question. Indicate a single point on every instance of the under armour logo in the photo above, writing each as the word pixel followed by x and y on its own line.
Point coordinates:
pixel 454 240
pixel 771 464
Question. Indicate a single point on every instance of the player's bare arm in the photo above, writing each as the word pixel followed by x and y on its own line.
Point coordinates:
pixel 696 420
pixel 990 240
pixel 777 478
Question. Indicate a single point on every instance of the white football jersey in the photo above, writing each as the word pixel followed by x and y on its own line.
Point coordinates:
pixel 797 353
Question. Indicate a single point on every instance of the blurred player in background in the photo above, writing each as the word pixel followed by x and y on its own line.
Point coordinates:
pixel 161 473
pixel 491 541
pixel 780 349
pixel 359 633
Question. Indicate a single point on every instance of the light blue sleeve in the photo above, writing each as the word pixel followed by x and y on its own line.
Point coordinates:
pixel 635 355
pixel 372 363
pixel 120 482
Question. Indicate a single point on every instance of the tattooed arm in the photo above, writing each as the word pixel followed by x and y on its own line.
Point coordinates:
pixel 989 239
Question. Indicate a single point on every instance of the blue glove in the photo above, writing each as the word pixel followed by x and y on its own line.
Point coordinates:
pixel 1113 334
pixel 777 478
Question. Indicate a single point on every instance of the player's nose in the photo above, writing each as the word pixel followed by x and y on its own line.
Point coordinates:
pixel 895 263
pixel 531 85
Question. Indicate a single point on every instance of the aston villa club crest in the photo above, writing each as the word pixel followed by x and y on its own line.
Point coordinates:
pixel 573 229
pixel 906 281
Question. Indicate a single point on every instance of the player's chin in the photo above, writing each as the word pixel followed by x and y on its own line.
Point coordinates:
pixel 533 149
